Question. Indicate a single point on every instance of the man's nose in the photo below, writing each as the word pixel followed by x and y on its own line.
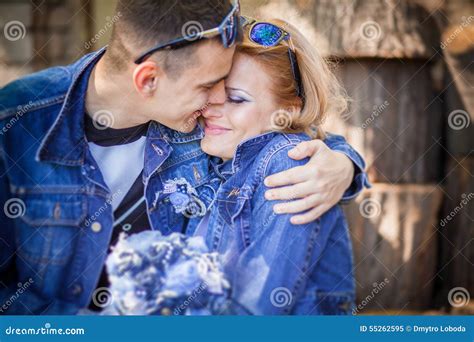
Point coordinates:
pixel 217 93
pixel 212 111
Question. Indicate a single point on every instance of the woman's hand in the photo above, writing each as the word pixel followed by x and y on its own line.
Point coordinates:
pixel 316 186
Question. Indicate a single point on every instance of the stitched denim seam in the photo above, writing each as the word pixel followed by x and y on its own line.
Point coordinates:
pixel 180 159
pixel 36 106
pixel 307 262
pixel 57 190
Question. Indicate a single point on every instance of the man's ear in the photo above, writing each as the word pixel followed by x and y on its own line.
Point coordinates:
pixel 146 77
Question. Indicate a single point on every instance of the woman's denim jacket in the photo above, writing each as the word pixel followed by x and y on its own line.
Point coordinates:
pixel 276 267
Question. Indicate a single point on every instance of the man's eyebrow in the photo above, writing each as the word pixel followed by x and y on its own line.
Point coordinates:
pixel 211 83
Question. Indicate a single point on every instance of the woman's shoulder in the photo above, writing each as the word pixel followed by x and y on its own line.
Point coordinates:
pixel 289 138
pixel 273 157
pixel 281 141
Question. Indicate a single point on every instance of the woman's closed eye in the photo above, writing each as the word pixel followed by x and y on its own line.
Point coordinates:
pixel 236 99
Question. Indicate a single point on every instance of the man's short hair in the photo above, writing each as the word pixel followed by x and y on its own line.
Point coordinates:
pixel 146 23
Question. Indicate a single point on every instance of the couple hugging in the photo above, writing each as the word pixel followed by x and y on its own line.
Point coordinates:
pixel 215 135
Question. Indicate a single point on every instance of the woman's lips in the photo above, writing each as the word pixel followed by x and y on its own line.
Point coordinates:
pixel 214 129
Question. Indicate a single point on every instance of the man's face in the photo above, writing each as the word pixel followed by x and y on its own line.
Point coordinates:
pixel 177 100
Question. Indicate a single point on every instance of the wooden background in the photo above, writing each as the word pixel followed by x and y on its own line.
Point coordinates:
pixel 404 84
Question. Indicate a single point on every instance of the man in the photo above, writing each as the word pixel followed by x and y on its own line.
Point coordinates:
pixel 87 149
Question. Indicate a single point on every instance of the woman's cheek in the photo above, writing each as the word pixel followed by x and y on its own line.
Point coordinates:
pixel 243 118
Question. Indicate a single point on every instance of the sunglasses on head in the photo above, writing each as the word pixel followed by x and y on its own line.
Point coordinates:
pixel 268 34
pixel 228 31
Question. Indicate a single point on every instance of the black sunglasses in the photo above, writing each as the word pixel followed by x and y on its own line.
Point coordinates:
pixel 268 34
pixel 228 31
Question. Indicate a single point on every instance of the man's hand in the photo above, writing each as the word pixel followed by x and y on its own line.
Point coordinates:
pixel 318 185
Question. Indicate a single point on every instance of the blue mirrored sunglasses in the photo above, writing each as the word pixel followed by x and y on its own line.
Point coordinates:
pixel 268 34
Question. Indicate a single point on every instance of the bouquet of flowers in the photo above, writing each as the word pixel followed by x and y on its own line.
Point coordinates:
pixel 152 274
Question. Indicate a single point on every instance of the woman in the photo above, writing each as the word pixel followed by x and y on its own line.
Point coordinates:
pixel 278 93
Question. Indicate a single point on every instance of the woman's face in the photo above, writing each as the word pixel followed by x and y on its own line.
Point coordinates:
pixel 246 112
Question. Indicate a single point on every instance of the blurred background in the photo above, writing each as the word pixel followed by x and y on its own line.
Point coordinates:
pixel 409 68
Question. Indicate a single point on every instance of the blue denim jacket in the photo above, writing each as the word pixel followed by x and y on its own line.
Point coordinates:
pixel 57 223
pixel 275 267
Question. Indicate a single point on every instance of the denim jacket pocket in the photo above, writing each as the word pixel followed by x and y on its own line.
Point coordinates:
pixel 231 201
pixel 234 223
pixel 39 213
pixel 48 231
pixel 229 210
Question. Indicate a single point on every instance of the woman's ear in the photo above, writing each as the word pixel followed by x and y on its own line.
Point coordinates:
pixel 146 77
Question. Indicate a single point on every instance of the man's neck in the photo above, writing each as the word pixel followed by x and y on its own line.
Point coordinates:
pixel 112 97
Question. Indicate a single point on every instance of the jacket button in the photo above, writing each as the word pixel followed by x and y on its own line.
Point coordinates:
pixel 96 227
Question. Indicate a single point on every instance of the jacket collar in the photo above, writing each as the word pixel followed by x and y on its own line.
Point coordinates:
pixel 65 142
pixel 244 155
pixel 159 144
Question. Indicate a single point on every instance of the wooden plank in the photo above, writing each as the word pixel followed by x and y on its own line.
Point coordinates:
pixel 394 235
pixel 394 119
pixel 357 28
pixel 458 122
pixel 457 233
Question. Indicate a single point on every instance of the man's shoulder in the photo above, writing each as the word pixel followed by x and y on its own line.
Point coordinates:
pixel 34 91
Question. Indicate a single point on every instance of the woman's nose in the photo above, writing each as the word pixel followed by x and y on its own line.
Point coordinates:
pixel 217 94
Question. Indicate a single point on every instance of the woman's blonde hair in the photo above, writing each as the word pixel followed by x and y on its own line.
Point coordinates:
pixel 323 94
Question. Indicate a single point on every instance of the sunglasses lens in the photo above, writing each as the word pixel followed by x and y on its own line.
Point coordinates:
pixel 266 34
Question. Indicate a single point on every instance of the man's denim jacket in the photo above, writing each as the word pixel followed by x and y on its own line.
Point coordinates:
pixel 275 267
pixel 57 220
